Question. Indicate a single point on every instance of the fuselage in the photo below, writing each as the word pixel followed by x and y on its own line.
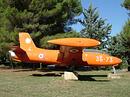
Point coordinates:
pixel 58 57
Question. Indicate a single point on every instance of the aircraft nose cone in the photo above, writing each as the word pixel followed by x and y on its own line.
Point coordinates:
pixel 117 60
pixel 120 61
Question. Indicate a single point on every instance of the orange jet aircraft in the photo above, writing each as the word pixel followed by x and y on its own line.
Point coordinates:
pixel 71 53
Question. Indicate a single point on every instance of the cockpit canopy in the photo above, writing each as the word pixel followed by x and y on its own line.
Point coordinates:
pixel 94 50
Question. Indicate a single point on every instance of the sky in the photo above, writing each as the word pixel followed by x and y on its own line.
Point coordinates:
pixel 110 10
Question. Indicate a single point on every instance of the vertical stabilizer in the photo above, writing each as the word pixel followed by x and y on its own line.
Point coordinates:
pixel 26 42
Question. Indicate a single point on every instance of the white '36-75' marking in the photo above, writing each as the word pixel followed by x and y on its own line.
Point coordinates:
pixel 106 59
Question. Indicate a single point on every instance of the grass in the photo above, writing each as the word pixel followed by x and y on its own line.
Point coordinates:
pixel 18 83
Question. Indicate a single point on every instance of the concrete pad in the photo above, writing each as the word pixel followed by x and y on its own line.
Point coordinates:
pixel 113 76
pixel 70 75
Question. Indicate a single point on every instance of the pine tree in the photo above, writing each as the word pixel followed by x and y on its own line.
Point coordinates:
pixel 125 34
pixel 7 38
pixel 94 26
pixel 48 17
pixel 119 45
pixel 117 48
pixel 40 18
pixel 126 4
pixel 125 38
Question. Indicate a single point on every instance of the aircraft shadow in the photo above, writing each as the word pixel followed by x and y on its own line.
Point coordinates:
pixel 90 78
pixel 103 78
pixel 48 75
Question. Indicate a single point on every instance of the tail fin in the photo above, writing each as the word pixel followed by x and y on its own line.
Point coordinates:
pixel 26 42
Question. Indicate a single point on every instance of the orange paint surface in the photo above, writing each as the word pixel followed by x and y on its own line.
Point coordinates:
pixel 100 59
pixel 75 42
pixel 70 53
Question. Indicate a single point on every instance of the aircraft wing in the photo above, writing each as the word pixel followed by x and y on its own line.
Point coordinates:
pixel 72 53
pixel 75 42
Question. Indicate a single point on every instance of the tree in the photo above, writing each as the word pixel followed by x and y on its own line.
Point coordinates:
pixel 125 33
pixel 117 48
pixel 95 26
pixel 126 29
pixel 48 17
pixel 40 18
pixel 43 41
pixel 125 39
pixel 126 4
pixel 7 38
pixel 120 45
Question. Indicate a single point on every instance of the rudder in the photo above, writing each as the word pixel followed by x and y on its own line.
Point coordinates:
pixel 26 42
